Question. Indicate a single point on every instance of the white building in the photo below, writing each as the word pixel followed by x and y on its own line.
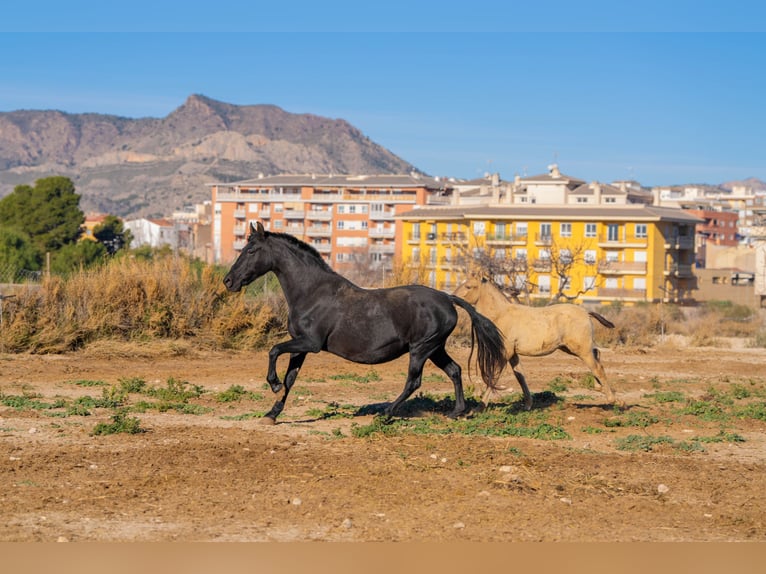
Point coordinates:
pixel 153 232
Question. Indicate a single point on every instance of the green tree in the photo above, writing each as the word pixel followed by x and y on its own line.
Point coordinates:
pixel 16 253
pixel 76 255
pixel 112 233
pixel 49 213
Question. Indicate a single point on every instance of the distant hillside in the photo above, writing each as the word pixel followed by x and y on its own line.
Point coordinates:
pixel 152 166
pixel 751 182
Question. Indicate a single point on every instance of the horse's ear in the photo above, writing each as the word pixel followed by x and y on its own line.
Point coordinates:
pixel 257 230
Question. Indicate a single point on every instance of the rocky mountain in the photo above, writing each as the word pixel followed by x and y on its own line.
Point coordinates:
pixel 152 166
pixel 751 182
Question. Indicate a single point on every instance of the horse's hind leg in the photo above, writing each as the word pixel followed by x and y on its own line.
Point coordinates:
pixel 414 377
pixel 514 361
pixel 594 364
pixel 293 367
pixel 442 360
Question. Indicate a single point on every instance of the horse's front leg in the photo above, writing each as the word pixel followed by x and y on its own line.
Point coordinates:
pixel 298 348
pixel 296 362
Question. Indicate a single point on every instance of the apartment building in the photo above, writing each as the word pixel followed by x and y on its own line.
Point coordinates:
pixel 554 233
pixel 349 219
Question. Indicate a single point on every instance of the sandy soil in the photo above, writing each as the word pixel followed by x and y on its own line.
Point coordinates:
pixel 217 476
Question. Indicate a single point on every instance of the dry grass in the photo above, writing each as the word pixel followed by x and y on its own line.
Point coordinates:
pixel 136 300
pixel 132 306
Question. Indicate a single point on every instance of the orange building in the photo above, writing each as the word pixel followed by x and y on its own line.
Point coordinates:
pixel 349 219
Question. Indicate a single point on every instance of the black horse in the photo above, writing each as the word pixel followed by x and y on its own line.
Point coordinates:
pixel 329 313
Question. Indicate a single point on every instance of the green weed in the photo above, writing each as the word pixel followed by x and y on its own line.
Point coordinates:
pixel 88 383
pixel 121 423
pixel 635 442
pixel 371 377
pixel 667 397
pixel 236 393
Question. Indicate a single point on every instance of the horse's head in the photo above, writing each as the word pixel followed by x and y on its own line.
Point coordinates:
pixel 254 260
pixel 469 289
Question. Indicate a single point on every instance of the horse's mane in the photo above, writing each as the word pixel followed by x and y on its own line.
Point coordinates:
pixel 302 247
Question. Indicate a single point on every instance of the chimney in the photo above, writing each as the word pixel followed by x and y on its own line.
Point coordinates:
pixel 596 187
pixel 554 170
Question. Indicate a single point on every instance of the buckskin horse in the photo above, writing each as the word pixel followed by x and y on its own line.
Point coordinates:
pixel 538 331
pixel 327 312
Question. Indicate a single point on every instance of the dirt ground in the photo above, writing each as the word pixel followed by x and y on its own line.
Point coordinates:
pixel 219 476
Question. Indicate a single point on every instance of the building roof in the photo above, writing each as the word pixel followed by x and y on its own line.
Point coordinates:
pixel 629 212
pixel 338 180
pixel 553 175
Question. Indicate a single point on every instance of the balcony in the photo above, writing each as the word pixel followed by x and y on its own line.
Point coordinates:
pixel 322 247
pixel 240 229
pixel 680 242
pixel 239 244
pixel 293 214
pixel 612 242
pixel 505 239
pixel 452 262
pixel 296 230
pixel 381 215
pixel 622 267
pixel 543 239
pixel 264 213
pixel 320 215
pixel 240 213
pixel 384 248
pixel 319 231
pixel 542 265
pixel 679 270
pixel 382 233
pixel 454 238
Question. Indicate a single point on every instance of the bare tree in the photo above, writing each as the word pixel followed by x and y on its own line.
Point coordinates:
pixel 519 277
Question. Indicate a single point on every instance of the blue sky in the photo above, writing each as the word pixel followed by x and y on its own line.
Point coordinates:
pixel 662 92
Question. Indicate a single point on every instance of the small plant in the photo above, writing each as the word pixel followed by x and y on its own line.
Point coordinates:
pixel 635 442
pixel 559 385
pixel 175 391
pixel 667 397
pixel 632 419
pixel 233 394
pixel 121 423
pixel 333 411
pixel 132 385
pixel 88 383
pixel 371 377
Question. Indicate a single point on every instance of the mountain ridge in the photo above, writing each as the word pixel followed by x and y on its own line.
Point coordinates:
pixel 152 166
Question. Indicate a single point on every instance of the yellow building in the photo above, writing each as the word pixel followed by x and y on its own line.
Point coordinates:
pixel 605 252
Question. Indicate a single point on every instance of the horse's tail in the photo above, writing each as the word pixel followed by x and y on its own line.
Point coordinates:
pixel 490 344
pixel 601 319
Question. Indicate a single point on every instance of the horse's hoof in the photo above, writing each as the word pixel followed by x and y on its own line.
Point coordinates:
pixel 276 387
pixel 268 421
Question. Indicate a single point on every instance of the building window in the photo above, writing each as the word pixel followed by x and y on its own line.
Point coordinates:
pixel 566 230
pixel 613 232
pixel 590 256
pixel 590 230
pixel 641 230
pixel 545 230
